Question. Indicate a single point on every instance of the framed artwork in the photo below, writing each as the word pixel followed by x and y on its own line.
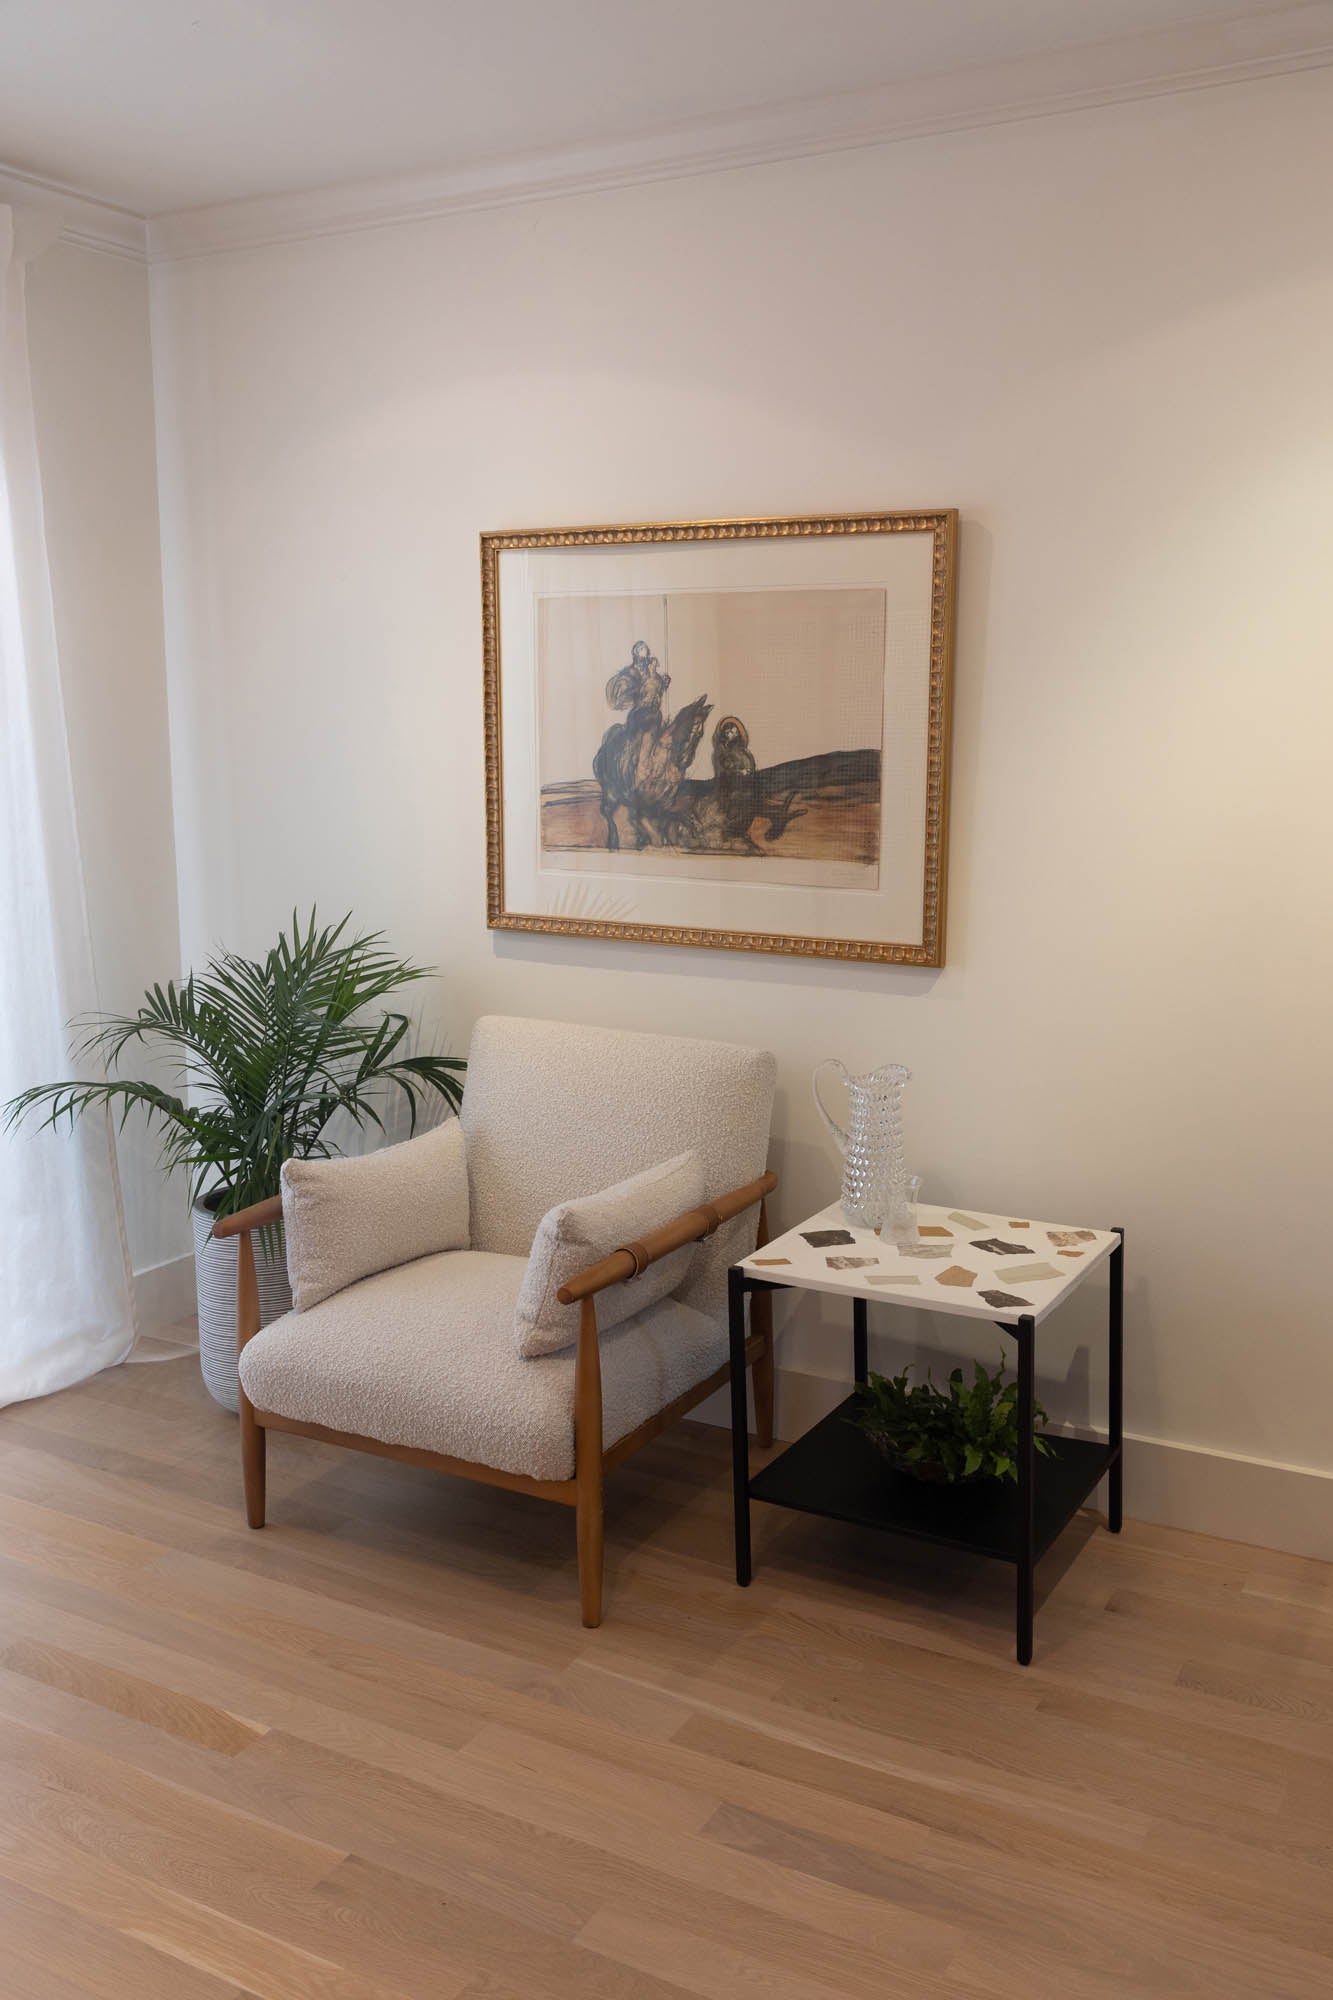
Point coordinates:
pixel 732 734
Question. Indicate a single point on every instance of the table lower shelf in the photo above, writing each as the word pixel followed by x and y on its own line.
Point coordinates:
pixel 834 1470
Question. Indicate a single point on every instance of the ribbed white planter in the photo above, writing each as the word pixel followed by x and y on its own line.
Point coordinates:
pixel 215 1263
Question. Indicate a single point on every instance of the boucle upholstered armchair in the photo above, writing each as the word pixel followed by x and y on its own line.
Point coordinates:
pixel 472 1359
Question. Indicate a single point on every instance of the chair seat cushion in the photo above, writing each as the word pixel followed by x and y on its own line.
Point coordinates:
pixel 424 1356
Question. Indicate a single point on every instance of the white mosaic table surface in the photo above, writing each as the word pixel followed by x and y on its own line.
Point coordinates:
pixel 964 1261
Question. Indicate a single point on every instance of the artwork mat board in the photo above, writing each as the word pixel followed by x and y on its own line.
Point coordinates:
pixel 657 900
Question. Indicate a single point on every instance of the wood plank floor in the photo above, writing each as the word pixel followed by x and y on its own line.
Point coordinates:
pixel 369 1753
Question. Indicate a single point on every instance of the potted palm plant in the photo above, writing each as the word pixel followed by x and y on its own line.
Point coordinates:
pixel 265 1051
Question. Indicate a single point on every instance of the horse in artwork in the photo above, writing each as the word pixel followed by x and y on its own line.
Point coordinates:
pixel 662 772
pixel 642 761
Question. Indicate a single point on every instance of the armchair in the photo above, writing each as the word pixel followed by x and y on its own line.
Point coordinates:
pixel 419 1362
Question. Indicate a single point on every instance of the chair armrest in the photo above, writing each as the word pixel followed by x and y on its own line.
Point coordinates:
pixel 696 1223
pixel 262 1215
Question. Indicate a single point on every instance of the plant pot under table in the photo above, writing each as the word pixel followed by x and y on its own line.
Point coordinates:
pixel 928 1470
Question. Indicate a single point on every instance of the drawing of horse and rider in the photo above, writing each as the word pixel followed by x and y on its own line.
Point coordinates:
pixel 643 762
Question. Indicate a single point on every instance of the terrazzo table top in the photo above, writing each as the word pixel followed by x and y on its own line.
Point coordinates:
pixel 964 1261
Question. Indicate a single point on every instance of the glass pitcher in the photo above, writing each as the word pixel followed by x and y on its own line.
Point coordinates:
pixel 877 1192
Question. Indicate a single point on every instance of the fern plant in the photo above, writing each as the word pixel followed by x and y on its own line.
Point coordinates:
pixel 265 1051
pixel 945 1435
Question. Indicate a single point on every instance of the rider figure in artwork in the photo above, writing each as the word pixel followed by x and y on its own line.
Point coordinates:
pixel 643 759
pixel 641 685
pixel 736 786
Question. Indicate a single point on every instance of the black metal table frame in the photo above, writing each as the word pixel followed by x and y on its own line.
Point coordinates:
pixel 1024 1332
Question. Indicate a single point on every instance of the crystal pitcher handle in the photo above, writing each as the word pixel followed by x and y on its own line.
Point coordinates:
pixel 839 1136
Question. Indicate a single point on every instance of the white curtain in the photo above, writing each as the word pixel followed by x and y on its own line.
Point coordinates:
pixel 65 1293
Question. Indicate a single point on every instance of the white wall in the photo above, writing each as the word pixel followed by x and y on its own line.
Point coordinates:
pixel 92 382
pixel 1106 338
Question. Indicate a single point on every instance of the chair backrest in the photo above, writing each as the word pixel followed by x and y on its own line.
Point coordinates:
pixel 552 1111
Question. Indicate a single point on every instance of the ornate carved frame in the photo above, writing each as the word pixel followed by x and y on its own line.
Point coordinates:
pixel 942 526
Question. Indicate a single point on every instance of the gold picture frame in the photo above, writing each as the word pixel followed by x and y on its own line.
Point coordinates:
pixel 595 904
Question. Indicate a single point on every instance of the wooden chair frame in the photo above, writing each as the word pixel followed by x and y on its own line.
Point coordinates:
pixel 592 1460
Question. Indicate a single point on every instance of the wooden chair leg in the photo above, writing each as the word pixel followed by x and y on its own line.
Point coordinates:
pixel 588 1470
pixel 253 1438
pixel 254 1451
pixel 588 1513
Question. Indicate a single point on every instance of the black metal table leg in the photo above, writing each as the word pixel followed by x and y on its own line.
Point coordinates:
pixel 860 1341
pixel 1115 1484
pixel 1026 1335
pixel 740 1432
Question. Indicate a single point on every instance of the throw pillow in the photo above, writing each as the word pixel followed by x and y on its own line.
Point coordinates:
pixel 577 1233
pixel 346 1219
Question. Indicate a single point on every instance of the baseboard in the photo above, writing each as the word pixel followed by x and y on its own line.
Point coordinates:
pixel 164 1294
pixel 1255 1500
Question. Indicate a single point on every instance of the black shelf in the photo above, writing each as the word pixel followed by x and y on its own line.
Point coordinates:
pixel 834 1470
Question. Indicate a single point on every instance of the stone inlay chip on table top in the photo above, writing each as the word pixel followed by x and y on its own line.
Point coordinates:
pixel 819 1239
pixel 1002 1299
pixel 995 1246
pixel 893 1278
pixel 933 1229
pixel 968 1221
pixel 1062 1236
pixel 849 1263
pixel 1028 1274
pixel 957 1274
pixel 925 1250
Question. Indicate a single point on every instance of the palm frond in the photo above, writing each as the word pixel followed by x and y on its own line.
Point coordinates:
pixel 264 1051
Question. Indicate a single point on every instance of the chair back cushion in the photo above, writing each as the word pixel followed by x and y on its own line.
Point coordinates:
pixel 552 1112
pixel 575 1234
pixel 345 1219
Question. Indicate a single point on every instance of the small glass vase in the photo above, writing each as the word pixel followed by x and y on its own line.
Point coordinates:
pixel 899 1225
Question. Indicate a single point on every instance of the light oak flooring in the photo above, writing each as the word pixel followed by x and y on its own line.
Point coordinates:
pixel 369 1753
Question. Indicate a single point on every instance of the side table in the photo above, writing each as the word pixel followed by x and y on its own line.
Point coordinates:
pixel 1014 1273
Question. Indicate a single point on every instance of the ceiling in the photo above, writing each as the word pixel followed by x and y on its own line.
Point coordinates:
pixel 164 105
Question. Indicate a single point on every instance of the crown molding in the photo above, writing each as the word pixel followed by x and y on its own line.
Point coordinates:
pixel 78 218
pixel 1155 64
pixel 1192 58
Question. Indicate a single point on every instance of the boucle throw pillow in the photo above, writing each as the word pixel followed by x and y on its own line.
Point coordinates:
pixel 346 1219
pixel 577 1233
